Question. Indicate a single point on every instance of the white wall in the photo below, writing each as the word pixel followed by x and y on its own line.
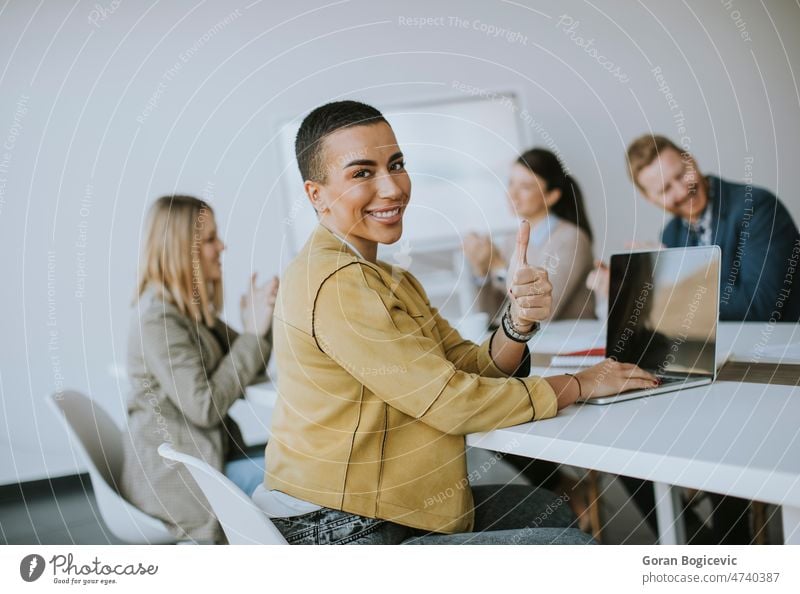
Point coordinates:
pixel 78 168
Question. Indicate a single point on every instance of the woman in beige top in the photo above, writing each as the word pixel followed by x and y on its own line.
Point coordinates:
pixel 187 368
pixel 543 194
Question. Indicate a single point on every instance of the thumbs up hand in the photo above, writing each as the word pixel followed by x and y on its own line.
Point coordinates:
pixel 530 290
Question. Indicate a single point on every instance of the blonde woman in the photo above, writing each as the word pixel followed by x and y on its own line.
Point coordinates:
pixel 187 368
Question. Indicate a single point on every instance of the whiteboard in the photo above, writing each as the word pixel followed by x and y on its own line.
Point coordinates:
pixel 458 153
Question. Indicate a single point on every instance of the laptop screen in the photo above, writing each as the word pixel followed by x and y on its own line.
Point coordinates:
pixel 663 309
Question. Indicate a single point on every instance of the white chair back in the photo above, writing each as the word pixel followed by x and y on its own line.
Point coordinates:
pixel 242 521
pixel 99 441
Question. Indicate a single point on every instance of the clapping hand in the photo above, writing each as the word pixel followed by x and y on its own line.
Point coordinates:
pixel 481 253
pixel 598 280
pixel 257 306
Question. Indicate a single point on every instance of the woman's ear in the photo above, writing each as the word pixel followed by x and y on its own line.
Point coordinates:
pixel 552 197
pixel 314 193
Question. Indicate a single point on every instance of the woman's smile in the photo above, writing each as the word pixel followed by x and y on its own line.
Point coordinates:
pixel 389 215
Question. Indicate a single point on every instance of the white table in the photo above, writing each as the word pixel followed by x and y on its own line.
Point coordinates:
pixel 732 438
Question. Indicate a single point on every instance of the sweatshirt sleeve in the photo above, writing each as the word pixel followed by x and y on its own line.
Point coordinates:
pixel 465 354
pixel 172 354
pixel 266 351
pixel 571 256
pixel 363 326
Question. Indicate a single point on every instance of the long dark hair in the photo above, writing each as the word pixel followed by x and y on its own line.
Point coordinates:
pixel 570 206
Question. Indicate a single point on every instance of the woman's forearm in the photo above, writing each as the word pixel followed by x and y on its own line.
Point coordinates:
pixel 506 353
pixel 507 356
pixel 566 388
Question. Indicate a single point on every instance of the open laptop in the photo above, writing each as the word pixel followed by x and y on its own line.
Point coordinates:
pixel 663 314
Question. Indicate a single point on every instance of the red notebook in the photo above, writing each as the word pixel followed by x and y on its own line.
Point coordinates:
pixel 585 358
pixel 598 352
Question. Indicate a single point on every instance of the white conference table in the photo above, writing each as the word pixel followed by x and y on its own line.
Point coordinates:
pixel 739 439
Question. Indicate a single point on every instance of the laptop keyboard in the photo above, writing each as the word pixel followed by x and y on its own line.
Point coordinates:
pixel 670 379
pixel 666 380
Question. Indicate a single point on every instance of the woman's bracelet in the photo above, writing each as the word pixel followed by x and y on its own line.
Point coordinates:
pixel 512 333
pixel 580 389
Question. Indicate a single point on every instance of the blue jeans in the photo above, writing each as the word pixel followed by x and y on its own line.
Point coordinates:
pixel 246 473
pixel 504 514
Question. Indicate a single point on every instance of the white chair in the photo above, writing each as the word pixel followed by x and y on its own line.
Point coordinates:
pixel 99 440
pixel 242 521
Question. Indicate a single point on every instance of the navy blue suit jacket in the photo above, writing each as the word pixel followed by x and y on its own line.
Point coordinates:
pixel 760 251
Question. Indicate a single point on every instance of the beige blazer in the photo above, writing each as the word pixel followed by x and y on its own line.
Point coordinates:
pixel 377 391
pixel 567 256
pixel 183 384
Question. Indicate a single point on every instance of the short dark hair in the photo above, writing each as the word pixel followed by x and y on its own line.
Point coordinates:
pixel 322 121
